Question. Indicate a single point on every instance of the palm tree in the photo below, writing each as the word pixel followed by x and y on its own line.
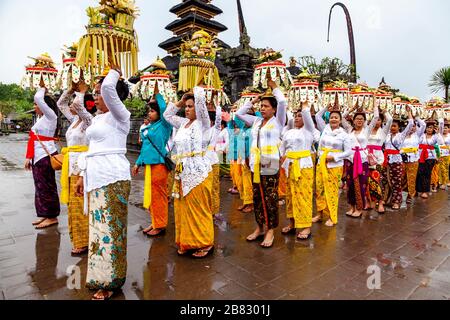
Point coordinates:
pixel 441 81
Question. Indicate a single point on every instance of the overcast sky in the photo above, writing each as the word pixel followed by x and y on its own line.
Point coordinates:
pixel 403 40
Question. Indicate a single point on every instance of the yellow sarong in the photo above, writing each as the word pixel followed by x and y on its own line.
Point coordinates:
pixel 194 225
pixel 299 204
pixel 323 160
pixel 296 156
pixel 65 171
pixel 148 187
pixel 267 150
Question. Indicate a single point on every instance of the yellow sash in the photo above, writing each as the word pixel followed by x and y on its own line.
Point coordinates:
pixel 296 156
pixel 148 187
pixel 257 160
pixel 65 171
pixel 445 147
pixel 323 160
pixel 410 150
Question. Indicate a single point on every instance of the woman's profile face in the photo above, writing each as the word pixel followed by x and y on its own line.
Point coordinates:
pixel 190 109
pixel 99 103
pixel 37 110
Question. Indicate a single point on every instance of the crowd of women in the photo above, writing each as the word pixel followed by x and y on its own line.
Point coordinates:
pixel 183 145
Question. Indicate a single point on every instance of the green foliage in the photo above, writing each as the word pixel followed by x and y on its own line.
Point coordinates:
pixel 328 69
pixel 137 107
pixel 15 99
pixel 440 81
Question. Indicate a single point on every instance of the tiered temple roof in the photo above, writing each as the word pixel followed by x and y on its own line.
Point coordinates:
pixel 193 15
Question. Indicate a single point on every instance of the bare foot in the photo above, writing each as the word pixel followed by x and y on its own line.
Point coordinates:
pixel 102 295
pixel 329 223
pixel 248 208
pixel 317 218
pixel 255 235
pixel 357 214
pixel 350 212
pixel 424 195
pixel 156 232
pixel 268 240
pixel 79 250
pixel 148 229
pixel 47 223
pixel 38 221
pixel 305 234
pixel 289 229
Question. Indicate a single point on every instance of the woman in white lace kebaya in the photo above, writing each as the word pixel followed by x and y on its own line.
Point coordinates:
pixel 80 119
pixel 194 226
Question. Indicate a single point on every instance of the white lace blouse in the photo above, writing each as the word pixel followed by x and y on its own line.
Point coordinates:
pixel 44 126
pixel 188 143
pixel 76 134
pixel 379 138
pixel 295 140
pixel 210 138
pixel 105 163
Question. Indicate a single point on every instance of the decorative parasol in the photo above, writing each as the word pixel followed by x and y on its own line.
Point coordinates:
pixel 305 87
pixel 399 105
pixel 336 95
pixel 247 96
pixel 271 67
pixel 110 37
pixel 71 72
pixel 216 97
pixel 197 64
pixel 156 76
pixel 42 69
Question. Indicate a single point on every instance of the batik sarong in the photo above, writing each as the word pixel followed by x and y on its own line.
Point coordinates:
pixel 299 199
pixel 423 183
pixel 78 221
pixel 327 192
pixel 435 175
pixel 194 222
pixel 265 201
pixel 216 189
pixel 395 178
pixel 247 185
pixel 410 178
pixel 108 219
pixel 443 170
pixel 357 187
pixel 375 185
pixel 46 198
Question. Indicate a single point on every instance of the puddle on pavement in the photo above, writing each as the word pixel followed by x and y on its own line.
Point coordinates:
pixel 6 165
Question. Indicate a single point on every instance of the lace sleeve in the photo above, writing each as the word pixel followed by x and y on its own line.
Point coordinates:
pixel 84 115
pixel 321 125
pixel 200 107
pixel 63 106
pixel 111 98
pixel 170 115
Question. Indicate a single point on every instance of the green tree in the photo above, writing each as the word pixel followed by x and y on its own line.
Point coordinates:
pixel 137 107
pixel 15 99
pixel 440 81
pixel 328 69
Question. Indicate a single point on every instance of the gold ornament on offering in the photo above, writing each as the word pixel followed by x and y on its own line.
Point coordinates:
pixel 110 37
pixel 42 69
pixel 159 77
pixel 304 88
pixel 216 97
pixel 336 96
pixel 71 72
pixel 434 107
pixel 271 67
pixel 197 64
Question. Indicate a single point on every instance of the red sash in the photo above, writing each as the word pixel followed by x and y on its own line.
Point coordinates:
pixel 387 153
pixel 32 139
pixel 424 154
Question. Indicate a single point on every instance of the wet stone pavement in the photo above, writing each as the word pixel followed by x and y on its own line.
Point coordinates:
pixel 411 247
